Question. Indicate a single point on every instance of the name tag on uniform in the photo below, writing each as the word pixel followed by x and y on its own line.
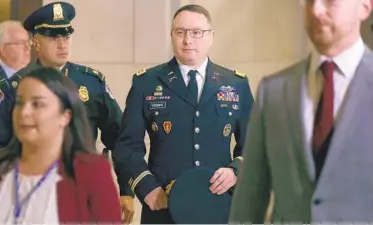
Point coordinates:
pixel 156 105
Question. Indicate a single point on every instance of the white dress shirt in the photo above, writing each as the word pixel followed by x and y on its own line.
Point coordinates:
pixel 346 65
pixel 200 77
pixel 8 70
pixel 42 205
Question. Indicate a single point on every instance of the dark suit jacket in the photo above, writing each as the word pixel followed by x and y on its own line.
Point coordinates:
pixel 3 83
pixel 92 197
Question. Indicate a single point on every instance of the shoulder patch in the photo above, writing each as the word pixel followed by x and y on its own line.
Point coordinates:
pixel 240 74
pixel 140 72
pixel 95 73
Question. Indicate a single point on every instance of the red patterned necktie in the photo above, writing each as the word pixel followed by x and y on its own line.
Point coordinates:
pixel 324 115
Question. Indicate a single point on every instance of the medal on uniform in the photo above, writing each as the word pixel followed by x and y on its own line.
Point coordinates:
pixel 157 94
pixel 158 91
pixel 159 88
pixel 227 94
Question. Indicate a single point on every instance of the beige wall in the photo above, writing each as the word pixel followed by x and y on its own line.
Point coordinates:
pixel 118 37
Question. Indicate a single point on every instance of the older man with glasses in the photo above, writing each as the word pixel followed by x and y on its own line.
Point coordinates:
pixel 15 47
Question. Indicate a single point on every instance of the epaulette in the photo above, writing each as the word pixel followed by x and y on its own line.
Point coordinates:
pixel 140 72
pixel 239 74
pixel 95 73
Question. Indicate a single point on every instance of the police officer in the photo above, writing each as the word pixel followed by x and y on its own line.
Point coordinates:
pixel 190 108
pixel 51 31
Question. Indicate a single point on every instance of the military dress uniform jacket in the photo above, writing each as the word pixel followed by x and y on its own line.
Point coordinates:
pixel 102 109
pixel 183 134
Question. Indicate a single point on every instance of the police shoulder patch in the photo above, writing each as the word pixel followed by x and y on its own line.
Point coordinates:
pixel 93 72
pixel 140 72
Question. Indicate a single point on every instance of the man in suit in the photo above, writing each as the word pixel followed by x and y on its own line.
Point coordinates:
pixel 51 31
pixel 310 135
pixel 190 108
pixel 15 48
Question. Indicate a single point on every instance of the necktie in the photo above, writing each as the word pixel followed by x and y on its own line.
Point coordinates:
pixel 324 116
pixel 192 85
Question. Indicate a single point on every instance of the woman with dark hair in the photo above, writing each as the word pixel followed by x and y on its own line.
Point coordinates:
pixel 50 172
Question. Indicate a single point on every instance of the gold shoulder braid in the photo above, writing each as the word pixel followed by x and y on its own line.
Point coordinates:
pixel 140 72
pixel 240 74
pixel 95 73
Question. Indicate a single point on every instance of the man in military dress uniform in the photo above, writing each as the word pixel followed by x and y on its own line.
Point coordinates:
pixel 51 30
pixel 190 108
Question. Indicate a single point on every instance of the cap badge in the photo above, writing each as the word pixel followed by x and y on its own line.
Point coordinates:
pixel 57 12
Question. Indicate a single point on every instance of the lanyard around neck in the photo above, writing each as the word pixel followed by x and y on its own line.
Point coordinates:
pixel 18 202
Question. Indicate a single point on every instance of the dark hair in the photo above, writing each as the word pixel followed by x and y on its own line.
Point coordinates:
pixel 77 137
pixel 194 8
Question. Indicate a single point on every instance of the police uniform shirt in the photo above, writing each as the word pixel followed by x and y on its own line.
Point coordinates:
pixel 103 112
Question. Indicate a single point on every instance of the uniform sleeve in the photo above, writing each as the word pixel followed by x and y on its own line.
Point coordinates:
pixel 240 131
pixel 110 116
pixel 129 152
pixel 6 127
pixel 109 124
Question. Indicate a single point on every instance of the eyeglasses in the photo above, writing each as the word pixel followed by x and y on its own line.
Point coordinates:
pixel 27 43
pixel 326 3
pixel 194 33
